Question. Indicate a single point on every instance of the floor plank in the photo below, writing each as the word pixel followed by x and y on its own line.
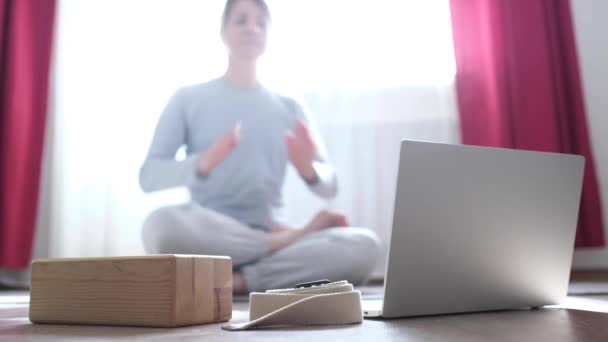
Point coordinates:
pixel 580 318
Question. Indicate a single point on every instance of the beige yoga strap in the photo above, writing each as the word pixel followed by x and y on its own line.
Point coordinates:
pixel 333 303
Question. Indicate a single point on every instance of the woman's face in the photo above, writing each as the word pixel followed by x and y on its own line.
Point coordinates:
pixel 245 30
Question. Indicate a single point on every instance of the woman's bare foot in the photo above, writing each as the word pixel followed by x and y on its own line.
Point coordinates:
pixel 281 236
pixel 238 283
pixel 278 227
pixel 327 219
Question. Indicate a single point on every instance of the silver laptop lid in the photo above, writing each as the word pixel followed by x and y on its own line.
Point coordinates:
pixel 479 228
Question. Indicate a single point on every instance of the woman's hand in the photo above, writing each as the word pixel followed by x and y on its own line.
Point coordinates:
pixel 302 151
pixel 219 150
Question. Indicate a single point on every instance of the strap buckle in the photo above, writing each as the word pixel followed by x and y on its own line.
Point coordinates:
pixel 313 283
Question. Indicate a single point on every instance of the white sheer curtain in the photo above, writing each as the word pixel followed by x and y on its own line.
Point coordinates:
pixel 370 72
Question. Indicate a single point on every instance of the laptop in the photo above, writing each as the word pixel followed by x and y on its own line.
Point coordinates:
pixel 479 229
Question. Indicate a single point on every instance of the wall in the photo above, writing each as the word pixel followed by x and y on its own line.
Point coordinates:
pixel 591 26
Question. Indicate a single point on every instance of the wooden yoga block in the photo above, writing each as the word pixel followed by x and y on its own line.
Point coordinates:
pixel 152 291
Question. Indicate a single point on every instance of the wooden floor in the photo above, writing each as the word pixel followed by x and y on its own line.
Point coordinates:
pixel 579 318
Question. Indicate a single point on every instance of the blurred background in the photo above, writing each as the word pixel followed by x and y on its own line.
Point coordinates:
pixel 370 73
pixel 365 74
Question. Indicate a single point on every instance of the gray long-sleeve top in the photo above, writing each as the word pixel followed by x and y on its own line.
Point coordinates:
pixel 247 185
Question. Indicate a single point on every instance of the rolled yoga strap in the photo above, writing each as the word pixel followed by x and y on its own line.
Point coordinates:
pixel 333 303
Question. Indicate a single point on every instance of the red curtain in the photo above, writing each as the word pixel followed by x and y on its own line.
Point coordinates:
pixel 519 87
pixel 26 31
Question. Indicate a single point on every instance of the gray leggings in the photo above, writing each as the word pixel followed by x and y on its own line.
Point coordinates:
pixel 335 253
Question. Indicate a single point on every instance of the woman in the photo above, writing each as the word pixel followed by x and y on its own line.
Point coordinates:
pixel 239 138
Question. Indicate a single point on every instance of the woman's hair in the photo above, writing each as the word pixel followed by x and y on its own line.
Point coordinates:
pixel 230 3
